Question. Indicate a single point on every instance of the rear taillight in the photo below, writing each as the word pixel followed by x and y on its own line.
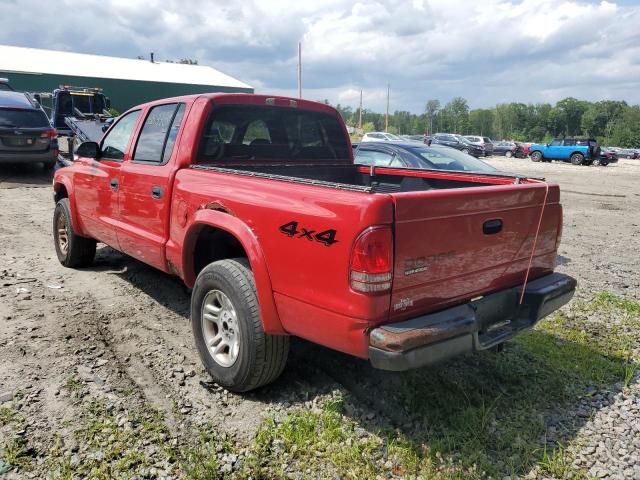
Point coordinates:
pixel 372 261
pixel 49 133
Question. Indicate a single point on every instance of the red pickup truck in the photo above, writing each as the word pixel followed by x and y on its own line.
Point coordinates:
pixel 256 204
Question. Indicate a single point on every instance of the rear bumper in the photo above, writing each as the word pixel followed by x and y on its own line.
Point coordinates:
pixel 476 325
pixel 48 156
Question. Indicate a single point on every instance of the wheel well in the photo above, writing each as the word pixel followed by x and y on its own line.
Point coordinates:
pixel 215 244
pixel 60 192
pixel 573 153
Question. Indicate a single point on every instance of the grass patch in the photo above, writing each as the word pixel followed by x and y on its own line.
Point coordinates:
pixel 74 383
pixel 9 415
pixel 477 416
pixel 129 444
pixel 117 444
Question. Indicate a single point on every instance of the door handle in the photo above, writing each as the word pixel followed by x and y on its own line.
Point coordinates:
pixel 156 192
pixel 491 227
pixel 114 183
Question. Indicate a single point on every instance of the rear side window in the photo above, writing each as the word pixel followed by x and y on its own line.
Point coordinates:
pixel 256 133
pixel 156 132
pixel 14 118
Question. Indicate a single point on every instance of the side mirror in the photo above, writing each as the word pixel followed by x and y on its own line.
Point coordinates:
pixel 88 150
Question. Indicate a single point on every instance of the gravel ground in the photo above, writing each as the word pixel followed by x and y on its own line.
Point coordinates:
pixel 118 332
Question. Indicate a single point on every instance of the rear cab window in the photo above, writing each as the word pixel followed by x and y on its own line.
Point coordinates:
pixel 240 133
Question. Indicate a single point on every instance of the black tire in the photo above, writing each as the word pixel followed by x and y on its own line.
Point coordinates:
pixel 604 163
pixel 596 162
pixel 465 150
pixel 508 154
pixel 73 251
pixel 261 358
pixel 536 156
pixel 576 158
pixel 49 165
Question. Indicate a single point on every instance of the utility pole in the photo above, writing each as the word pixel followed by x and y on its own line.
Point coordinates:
pixel 360 116
pixel 386 117
pixel 299 69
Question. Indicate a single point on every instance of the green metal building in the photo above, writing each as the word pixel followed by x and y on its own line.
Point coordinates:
pixel 127 82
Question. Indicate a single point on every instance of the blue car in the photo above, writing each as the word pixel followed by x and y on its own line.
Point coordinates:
pixel 576 151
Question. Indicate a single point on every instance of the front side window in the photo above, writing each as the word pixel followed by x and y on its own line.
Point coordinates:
pixel 115 143
pixel 154 134
pixel 556 143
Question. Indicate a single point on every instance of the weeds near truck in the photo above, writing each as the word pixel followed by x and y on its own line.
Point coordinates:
pixel 478 416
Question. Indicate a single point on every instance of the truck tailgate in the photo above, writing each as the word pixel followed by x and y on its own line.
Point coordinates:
pixel 456 244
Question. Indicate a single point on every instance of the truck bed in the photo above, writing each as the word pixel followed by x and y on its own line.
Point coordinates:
pixel 365 179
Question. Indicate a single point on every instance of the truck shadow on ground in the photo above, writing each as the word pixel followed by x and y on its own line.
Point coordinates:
pixel 504 413
pixel 27 175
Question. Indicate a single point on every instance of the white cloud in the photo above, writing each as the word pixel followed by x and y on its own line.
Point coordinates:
pixel 487 51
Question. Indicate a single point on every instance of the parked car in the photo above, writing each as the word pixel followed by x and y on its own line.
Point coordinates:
pixel 606 157
pixel 576 151
pixel 508 149
pixel 26 136
pixel 628 153
pixel 414 155
pixel 380 137
pixel 484 142
pixel 459 143
pixel 255 202
pixel 526 148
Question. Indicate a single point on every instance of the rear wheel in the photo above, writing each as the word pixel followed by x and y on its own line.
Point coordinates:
pixel 536 156
pixel 226 324
pixel 73 250
pixel 603 163
pixel 577 159
pixel 508 154
pixel 596 162
pixel 465 150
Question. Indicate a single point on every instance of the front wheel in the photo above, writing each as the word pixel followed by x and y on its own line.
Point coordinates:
pixel 536 156
pixel 577 159
pixel 508 154
pixel 72 250
pixel 465 150
pixel 596 162
pixel 226 324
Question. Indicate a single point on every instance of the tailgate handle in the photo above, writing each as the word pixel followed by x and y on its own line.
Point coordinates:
pixel 491 227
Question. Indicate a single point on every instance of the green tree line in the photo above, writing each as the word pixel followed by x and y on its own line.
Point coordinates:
pixel 612 122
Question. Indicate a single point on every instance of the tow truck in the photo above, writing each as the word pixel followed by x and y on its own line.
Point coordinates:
pixel 81 114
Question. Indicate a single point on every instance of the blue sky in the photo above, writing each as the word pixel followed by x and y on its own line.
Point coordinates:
pixel 486 51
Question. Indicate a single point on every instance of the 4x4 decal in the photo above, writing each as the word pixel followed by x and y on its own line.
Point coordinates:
pixel 326 237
